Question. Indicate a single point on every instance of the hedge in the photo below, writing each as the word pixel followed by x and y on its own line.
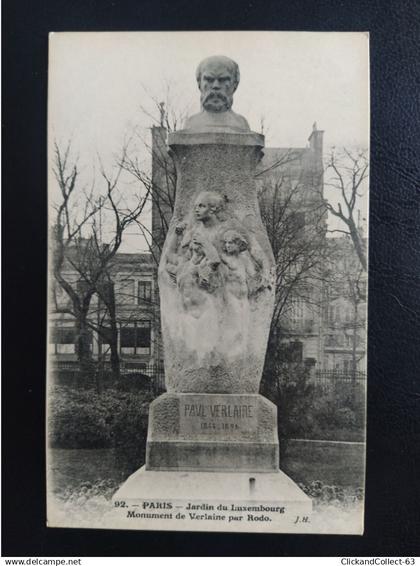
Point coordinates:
pixel 85 419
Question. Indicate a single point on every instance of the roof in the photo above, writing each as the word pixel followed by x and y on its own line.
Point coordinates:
pixel 134 261
pixel 145 258
pixel 277 156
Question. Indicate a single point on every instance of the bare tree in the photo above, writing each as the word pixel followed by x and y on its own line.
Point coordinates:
pixel 159 180
pixel 345 300
pixel 345 173
pixel 356 285
pixel 296 228
pixel 83 251
pixel 297 237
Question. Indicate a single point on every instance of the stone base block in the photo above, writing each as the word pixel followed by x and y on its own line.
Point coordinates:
pixel 212 432
pixel 212 456
pixel 212 501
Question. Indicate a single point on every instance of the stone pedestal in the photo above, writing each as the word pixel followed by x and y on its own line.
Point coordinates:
pixel 212 464
pixel 201 432
pixel 213 501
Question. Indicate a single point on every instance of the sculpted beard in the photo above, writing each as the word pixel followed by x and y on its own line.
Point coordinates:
pixel 208 99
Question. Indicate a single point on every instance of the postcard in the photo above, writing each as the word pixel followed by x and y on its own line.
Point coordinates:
pixel 208 236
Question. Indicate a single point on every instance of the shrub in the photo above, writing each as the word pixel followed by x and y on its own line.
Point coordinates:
pixel 129 430
pixel 305 410
pixel 290 387
pixel 85 419
pixel 329 415
pixel 323 493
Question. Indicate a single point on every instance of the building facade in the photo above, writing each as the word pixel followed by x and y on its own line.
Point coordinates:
pixel 343 331
pixel 133 278
pixel 290 185
pixel 322 321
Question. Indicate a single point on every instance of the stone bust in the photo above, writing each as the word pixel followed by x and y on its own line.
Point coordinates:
pixel 217 78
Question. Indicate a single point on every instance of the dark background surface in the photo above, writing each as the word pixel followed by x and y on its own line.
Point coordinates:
pixel 393 468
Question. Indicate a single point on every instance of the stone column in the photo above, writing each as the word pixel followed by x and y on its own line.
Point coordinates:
pixel 215 317
pixel 216 298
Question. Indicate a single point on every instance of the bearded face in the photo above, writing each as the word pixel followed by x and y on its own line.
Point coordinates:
pixel 217 86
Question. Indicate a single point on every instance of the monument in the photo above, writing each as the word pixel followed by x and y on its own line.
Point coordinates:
pixel 212 438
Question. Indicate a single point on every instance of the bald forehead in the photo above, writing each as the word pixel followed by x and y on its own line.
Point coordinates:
pixel 217 66
pixel 217 69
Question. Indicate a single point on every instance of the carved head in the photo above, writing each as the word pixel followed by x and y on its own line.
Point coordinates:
pixel 207 205
pixel 234 242
pixel 196 247
pixel 217 78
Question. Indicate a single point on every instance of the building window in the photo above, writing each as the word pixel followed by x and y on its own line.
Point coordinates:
pixel 104 339
pixel 60 297
pixel 63 340
pixel 331 341
pixel 125 292
pixel 334 314
pixel 348 365
pixel 297 313
pixel 337 313
pixel 135 339
pixel 145 291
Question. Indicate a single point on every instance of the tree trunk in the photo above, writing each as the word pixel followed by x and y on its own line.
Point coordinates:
pixel 358 244
pixel 115 358
pixel 108 296
pixel 83 351
pixel 353 360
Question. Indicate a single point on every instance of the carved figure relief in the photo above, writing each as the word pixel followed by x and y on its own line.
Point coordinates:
pixel 209 253
pixel 216 268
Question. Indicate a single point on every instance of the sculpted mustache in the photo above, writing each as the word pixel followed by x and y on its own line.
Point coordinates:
pixel 214 95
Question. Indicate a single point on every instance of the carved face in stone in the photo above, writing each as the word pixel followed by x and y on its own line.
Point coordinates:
pixel 202 209
pixel 196 247
pixel 234 243
pixel 207 205
pixel 217 78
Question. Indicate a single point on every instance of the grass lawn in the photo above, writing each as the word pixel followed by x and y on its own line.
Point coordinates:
pixel 68 468
pixel 333 463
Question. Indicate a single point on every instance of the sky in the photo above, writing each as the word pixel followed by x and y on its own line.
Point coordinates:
pixel 98 83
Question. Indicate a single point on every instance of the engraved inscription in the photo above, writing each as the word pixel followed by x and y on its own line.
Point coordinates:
pixel 235 411
pixel 238 418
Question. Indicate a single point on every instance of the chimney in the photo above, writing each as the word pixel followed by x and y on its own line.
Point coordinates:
pixel 162 114
pixel 315 140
